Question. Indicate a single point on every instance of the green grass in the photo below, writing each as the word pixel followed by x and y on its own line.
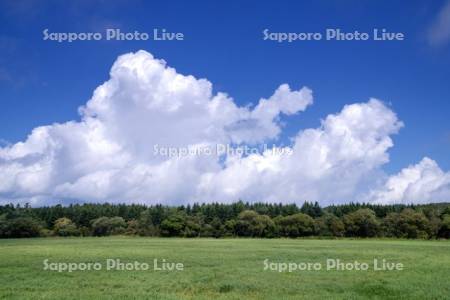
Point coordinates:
pixel 223 269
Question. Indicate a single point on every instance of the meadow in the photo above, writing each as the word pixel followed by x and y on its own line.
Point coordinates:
pixel 223 269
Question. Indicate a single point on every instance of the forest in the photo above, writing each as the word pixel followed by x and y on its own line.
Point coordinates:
pixel 239 219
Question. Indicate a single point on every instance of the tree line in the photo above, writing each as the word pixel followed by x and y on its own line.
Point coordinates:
pixel 218 220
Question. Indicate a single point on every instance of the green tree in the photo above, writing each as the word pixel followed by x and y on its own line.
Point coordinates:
pixel 312 210
pixel 174 224
pixel 145 225
pixel 19 227
pixel 230 228
pixel 444 231
pixel 252 224
pixel 361 223
pixel 329 225
pixel 106 226
pixel 295 225
pixel 407 224
pixel 193 227
pixel 65 227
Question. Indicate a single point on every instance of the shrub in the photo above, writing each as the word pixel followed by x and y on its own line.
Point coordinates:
pixel 19 227
pixel 252 224
pixel 444 230
pixel 329 225
pixel 193 227
pixel 106 226
pixel 65 227
pixel 407 224
pixel 174 224
pixel 362 223
pixel 295 225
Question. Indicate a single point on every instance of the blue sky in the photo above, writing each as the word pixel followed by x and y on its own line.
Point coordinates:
pixel 42 82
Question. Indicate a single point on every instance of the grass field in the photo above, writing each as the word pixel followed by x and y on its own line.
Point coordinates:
pixel 223 269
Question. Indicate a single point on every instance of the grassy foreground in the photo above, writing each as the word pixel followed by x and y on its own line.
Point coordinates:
pixel 223 269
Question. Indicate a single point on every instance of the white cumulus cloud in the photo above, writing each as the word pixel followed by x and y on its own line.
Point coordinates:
pixel 108 155
pixel 327 164
pixel 420 183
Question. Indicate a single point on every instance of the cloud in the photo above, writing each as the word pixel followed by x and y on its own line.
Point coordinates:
pixel 327 164
pixel 439 31
pixel 109 154
pixel 420 183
